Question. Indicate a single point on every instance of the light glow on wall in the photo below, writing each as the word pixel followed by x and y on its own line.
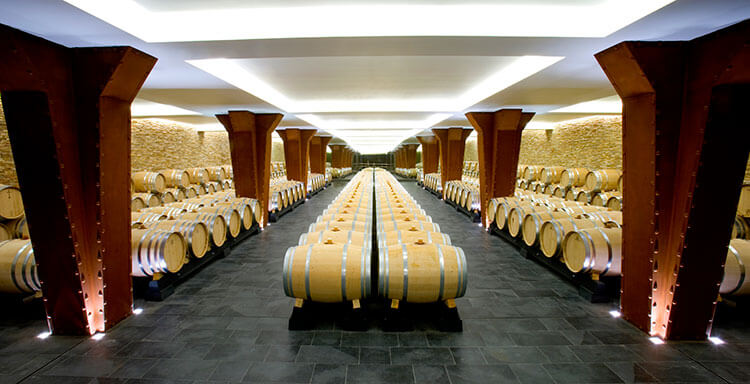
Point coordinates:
pixel 611 104
pixel 142 108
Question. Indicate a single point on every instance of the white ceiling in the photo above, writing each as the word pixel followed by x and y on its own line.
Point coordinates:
pixel 355 75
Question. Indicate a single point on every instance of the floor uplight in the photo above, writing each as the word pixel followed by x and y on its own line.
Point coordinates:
pixel 615 314
pixel 138 311
pixel 97 336
pixel 43 335
pixel 716 340
pixel 656 340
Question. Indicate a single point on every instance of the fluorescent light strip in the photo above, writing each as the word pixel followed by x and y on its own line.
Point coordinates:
pixel 143 108
pixel 233 73
pixel 599 19
pixel 611 104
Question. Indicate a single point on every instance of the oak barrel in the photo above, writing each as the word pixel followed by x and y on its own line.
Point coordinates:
pixel 337 236
pixel 197 175
pixel 553 231
pixel 217 226
pixel 176 178
pixel 328 272
pixel 152 182
pixel 151 199
pixel 532 224
pixel 156 251
pixel 737 266
pixel 573 177
pixel 193 232
pixel 594 250
pixel 407 236
pixel 19 228
pixel 602 180
pixel 11 203
pixel 231 217
pixel 422 272
pixel 18 272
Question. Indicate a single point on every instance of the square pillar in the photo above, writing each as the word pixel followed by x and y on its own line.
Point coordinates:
pixel 68 116
pixel 499 144
pixel 452 142
pixel 296 146
pixel 318 145
pixel 410 155
pixel 250 147
pixel 337 156
pixel 430 153
pixel 685 146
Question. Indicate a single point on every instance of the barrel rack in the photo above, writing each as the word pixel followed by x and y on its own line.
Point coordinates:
pixel 318 190
pixel 601 290
pixel 158 288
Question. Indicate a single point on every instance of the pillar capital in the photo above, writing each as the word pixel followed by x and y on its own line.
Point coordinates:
pixel 318 145
pixel 296 146
pixel 250 147
pixel 452 143
pixel 430 153
pixel 498 144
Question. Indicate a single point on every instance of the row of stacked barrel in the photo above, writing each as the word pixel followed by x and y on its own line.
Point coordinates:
pixel 465 192
pixel 406 172
pixel 433 181
pixel 340 172
pixel 602 187
pixel 154 189
pixel 333 260
pixel 197 211
pixel 587 238
pixel 283 192
pixel 316 181
pixel 741 227
pixel 17 265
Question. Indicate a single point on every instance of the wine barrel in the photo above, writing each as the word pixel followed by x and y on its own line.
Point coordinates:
pixel 18 272
pixel 197 175
pixel 11 203
pixel 176 178
pixel 217 226
pixel 246 214
pixel 503 211
pixel 518 213
pixel 137 203
pixel 211 187
pixel 407 225
pixel 736 281
pixel 615 203
pixel 19 228
pixel 573 177
pixel 191 191
pixel 532 224
pixel 151 182
pixel 601 199
pixel 584 196
pixel 492 210
pixel 356 216
pixel 156 251
pixel 168 197
pixel 337 236
pixel 344 225
pixel 328 272
pixel 602 180
pixel 193 232
pixel 531 172
pixel 740 228
pixel 404 217
pixel 558 191
pixel 408 236
pixel 422 272
pixel 619 184
pixel 151 199
pixel 217 174
pixel 612 218
pixel 146 217
pixel 594 250
pixel 551 175
pixel 553 231
pixel 231 217
pixel 581 209
pixel 186 205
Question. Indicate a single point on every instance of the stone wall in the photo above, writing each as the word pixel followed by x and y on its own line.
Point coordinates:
pixel 277 151
pixel 160 144
pixel 470 152
pixel 7 166
pixel 590 143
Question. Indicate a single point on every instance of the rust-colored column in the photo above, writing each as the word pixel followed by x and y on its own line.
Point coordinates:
pixel 397 157
pixel 68 116
pixel 337 156
pixel 430 154
pixel 296 146
pixel 410 155
pixel 499 143
pixel 250 147
pixel 318 146
pixel 347 157
pixel 685 146
pixel 452 142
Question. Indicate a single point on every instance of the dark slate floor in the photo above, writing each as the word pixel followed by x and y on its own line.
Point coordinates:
pixel 228 324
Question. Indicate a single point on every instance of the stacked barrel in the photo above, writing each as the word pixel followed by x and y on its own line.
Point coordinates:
pixel 406 172
pixel 332 262
pixel 283 192
pixel 601 187
pixel 17 264
pixel 190 212
pixel 416 262
pixel 736 280
pixel 432 181
pixel 315 181
pixel 465 192
pixel 340 172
